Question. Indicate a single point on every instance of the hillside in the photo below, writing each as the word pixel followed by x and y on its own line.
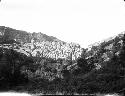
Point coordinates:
pixel 23 36
pixel 38 43
pixel 40 63
pixel 103 51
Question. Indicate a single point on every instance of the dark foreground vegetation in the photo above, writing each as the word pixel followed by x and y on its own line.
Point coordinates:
pixel 45 75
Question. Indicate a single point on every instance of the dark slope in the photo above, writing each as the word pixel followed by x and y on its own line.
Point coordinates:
pixel 23 36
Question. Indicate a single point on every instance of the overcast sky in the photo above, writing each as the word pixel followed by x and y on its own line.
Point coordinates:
pixel 80 21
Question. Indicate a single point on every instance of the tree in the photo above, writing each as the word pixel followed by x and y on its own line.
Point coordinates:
pixel 83 67
pixel 122 53
pixel 15 61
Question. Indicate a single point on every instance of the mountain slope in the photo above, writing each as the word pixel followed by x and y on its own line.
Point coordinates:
pixel 51 65
pixel 23 36
pixel 105 50
pixel 39 43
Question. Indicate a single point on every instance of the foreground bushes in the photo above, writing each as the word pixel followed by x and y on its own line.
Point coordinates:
pixel 37 77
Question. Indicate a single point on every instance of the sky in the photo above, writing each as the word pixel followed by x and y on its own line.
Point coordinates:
pixel 81 21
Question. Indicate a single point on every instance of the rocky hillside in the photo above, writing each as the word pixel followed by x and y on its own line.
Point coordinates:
pixel 102 52
pixel 50 65
pixel 34 44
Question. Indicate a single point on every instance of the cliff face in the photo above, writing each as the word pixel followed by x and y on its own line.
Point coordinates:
pixel 35 44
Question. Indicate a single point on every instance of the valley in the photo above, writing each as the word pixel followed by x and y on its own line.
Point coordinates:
pixel 37 63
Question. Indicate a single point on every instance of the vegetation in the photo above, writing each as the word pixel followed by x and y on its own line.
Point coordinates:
pixel 99 70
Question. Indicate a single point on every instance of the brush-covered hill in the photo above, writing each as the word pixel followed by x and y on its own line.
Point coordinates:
pixel 38 44
pixel 103 51
pixel 108 72
pixel 50 65
pixel 23 36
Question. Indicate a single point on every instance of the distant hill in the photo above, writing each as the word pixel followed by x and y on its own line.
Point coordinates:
pixel 23 36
